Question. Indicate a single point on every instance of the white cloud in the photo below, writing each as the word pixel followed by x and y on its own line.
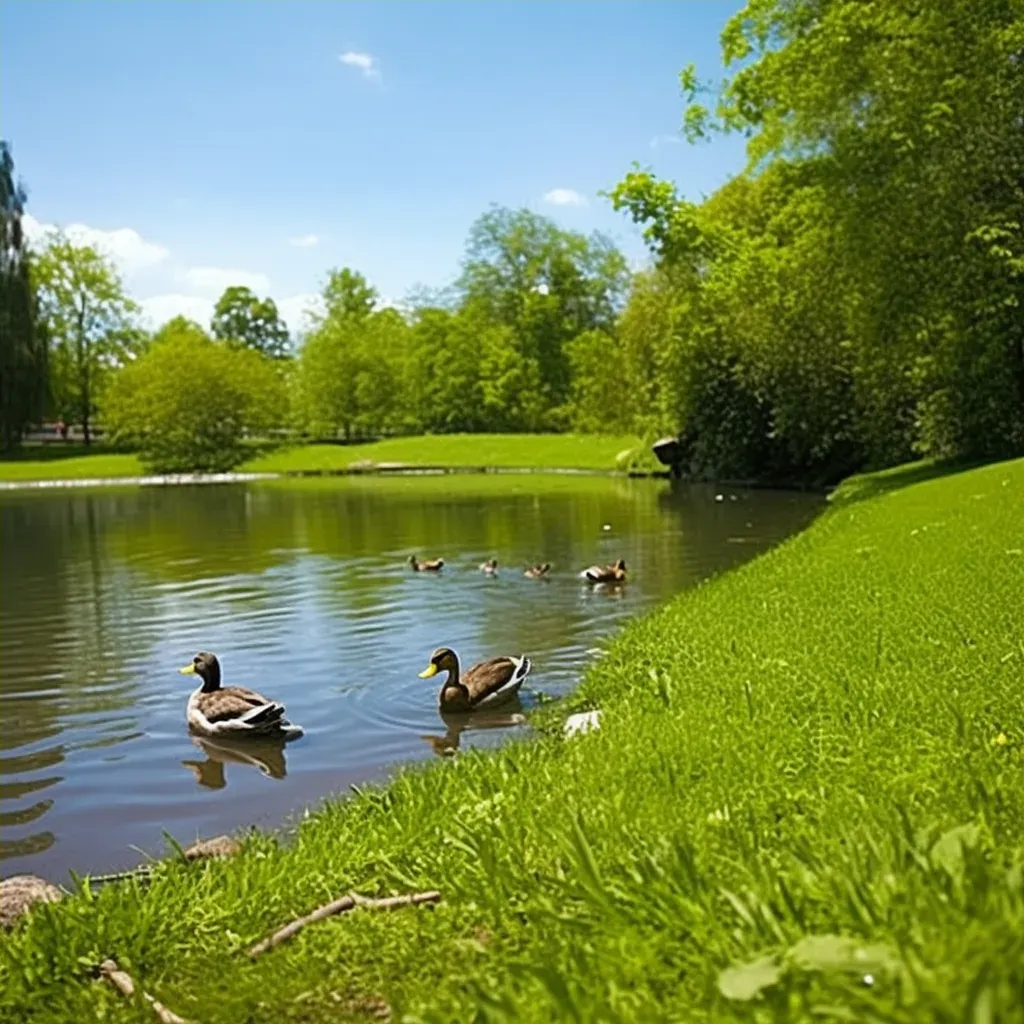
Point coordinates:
pixel 158 309
pixel 304 241
pixel 129 251
pixel 294 310
pixel 364 62
pixel 665 140
pixel 564 197
pixel 216 279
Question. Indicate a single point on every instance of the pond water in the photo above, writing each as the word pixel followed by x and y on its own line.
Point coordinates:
pixel 303 591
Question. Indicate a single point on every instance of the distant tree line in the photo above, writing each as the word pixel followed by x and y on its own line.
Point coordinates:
pixel 854 298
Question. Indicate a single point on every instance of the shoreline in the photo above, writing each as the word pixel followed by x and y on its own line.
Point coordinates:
pixel 183 479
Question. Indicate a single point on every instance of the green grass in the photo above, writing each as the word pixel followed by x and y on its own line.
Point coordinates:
pixel 527 451
pixel 69 467
pixel 533 451
pixel 806 802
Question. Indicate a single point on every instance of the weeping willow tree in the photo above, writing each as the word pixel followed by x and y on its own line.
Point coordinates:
pixel 23 349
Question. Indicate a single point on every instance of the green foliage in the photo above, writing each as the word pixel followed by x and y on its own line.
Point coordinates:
pixel 349 377
pixel 89 321
pixel 23 343
pixel 547 285
pixel 347 296
pixel 804 801
pixel 856 295
pixel 240 317
pixel 188 401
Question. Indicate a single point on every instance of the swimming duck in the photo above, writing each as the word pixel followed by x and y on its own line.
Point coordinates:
pixel 490 567
pixel 482 685
pixel 430 565
pixel 536 572
pixel 214 710
pixel 606 573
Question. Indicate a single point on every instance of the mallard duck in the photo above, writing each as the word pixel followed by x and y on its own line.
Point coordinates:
pixel 536 572
pixel 214 710
pixel 490 567
pixel 430 565
pixel 482 685
pixel 606 573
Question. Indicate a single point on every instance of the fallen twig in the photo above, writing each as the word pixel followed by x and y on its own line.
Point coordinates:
pixel 143 874
pixel 340 906
pixel 122 981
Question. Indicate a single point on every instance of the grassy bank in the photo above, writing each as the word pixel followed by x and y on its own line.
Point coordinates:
pixel 806 801
pixel 527 451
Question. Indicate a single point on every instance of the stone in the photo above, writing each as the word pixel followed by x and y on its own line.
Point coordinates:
pixel 219 846
pixel 19 893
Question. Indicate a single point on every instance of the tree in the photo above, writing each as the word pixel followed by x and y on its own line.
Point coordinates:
pixel 187 402
pixel 89 320
pixel 352 369
pixel 347 295
pixel 23 352
pixel 240 317
pixel 855 295
pixel 546 284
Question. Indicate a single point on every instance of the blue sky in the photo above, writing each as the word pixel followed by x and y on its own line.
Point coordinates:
pixel 262 143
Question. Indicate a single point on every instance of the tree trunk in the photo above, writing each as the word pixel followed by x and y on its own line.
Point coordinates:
pixel 83 373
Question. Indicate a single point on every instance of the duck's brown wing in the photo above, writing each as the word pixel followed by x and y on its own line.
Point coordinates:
pixel 599 573
pixel 232 702
pixel 486 679
pixel 432 565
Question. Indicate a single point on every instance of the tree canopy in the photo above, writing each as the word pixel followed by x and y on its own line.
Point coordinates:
pixel 243 319
pixel 187 402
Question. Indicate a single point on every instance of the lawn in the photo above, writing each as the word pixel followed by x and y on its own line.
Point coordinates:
pixel 527 451
pixel 73 464
pixel 805 802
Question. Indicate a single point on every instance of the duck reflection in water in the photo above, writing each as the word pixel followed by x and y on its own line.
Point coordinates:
pixel 457 724
pixel 265 754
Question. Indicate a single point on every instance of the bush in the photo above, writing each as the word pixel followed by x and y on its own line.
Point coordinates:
pixel 187 402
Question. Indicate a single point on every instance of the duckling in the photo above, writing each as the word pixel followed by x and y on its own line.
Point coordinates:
pixel 482 685
pixel 537 572
pixel 490 567
pixel 430 565
pixel 606 573
pixel 214 710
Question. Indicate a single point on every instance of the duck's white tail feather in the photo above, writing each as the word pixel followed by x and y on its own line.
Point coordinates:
pixel 265 714
pixel 522 670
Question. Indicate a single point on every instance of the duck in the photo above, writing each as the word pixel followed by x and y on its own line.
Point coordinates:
pixel 482 685
pixel 215 710
pixel 606 573
pixel 430 565
pixel 537 572
pixel 490 567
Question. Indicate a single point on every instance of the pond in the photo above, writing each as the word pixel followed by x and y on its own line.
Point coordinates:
pixel 303 590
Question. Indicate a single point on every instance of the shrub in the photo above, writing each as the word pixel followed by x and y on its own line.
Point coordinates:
pixel 187 402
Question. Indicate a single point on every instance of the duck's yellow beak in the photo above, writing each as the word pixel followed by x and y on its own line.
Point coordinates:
pixel 188 670
pixel 430 670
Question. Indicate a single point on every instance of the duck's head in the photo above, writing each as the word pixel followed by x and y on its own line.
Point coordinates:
pixel 491 564
pixel 443 659
pixel 412 560
pixel 207 667
pixel 620 565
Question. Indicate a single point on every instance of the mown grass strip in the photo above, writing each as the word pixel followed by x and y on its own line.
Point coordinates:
pixel 499 451
pixel 805 801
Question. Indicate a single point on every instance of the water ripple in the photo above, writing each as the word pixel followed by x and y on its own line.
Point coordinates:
pixel 306 595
